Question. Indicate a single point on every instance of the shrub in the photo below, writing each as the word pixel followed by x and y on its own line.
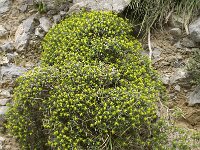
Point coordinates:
pixel 25 117
pixel 86 35
pixel 94 90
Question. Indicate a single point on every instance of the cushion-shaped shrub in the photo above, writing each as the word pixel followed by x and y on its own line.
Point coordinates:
pixel 79 34
pixel 102 94
pixel 25 117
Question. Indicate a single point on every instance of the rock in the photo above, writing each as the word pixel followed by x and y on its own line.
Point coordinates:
pixel 175 61
pixel 63 13
pixel 106 5
pixel 4 60
pixel 2 142
pixel 194 30
pixel 3 110
pixel 194 97
pixel 45 24
pixel 177 88
pixel 39 32
pixel 178 45
pixel 175 32
pixel 4 6
pixel 5 93
pixel 156 52
pixel 23 33
pixel 10 72
pixel 56 18
pixel 176 21
pixel 23 8
pixel 178 75
pixel 11 56
pixel 7 47
pixel 4 101
pixel 188 43
pixel 165 79
pixel 3 31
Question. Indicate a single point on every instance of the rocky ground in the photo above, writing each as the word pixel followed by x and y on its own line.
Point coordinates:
pixel 22 26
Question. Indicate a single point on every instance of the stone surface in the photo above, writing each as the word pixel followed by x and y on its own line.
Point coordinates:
pixel 11 72
pixel 23 8
pixel 178 75
pixel 4 60
pixel 4 6
pixel 11 56
pixel 4 101
pixel 56 18
pixel 3 110
pixel 39 32
pixel 188 43
pixel 165 79
pixel 175 32
pixel 177 88
pixel 194 29
pixel 5 93
pixel 176 21
pixel 194 97
pixel 7 47
pixel 3 31
pixel 2 141
pixel 23 33
pixel 108 5
pixel 45 23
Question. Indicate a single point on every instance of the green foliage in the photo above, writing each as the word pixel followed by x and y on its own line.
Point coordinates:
pixel 94 90
pixel 41 7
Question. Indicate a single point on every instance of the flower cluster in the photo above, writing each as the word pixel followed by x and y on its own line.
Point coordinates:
pixel 94 90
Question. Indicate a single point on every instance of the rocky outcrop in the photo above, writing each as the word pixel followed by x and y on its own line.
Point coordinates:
pixel 194 29
pixel 23 33
pixel 4 6
pixel 108 5
pixel 194 97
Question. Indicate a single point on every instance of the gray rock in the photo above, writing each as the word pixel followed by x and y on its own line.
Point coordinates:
pixel 63 13
pixel 4 6
pixel 11 72
pixel 4 101
pixel 39 32
pixel 23 33
pixel 107 5
pixel 176 21
pixel 178 75
pixel 194 30
pixel 23 8
pixel 175 32
pixel 2 141
pixel 45 23
pixel 7 47
pixel 178 45
pixel 188 43
pixel 194 97
pixel 56 18
pixel 3 110
pixel 165 79
pixel 5 93
pixel 4 60
pixel 11 56
pixel 177 88
pixel 3 31
pixel 156 52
